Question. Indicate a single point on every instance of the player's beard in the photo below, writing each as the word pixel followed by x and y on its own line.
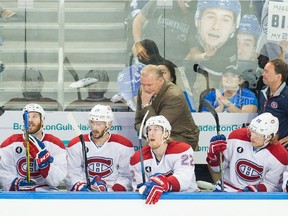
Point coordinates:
pixel 33 129
pixel 97 135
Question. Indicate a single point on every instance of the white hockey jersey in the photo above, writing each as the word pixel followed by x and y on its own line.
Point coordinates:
pixel 110 162
pixel 244 166
pixel 177 165
pixel 13 163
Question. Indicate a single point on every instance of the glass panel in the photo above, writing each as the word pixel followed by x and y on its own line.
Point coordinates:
pixel 97 40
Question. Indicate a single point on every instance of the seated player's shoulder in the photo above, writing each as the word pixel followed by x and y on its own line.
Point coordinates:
pixel 279 152
pixel 136 156
pixel 175 147
pixel 121 140
pixel 73 141
pixel 54 139
pixel 12 139
pixel 240 133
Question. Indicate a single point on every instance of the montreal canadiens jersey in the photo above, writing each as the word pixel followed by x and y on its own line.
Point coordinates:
pixel 245 166
pixel 110 162
pixel 177 164
pixel 13 163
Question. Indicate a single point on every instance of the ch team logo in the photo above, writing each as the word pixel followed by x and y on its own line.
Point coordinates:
pixel 22 167
pixel 274 105
pixel 248 171
pixel 100 166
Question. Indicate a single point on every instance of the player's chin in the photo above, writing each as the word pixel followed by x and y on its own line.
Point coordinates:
pixel 153 145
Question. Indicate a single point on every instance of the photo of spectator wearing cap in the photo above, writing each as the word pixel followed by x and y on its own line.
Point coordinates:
pixel 247 38
pixel 96 83
pixel 31 88
pixel 232 97
pixel 214 46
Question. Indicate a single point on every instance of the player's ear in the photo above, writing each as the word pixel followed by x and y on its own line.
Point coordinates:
pixel 166 135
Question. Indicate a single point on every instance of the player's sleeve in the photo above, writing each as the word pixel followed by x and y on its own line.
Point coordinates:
pixel 272 180
pixel 183 177
pixel 285 180
pixel 123 182
pixel 58 168
pixel 135 170
pixel 7 168
pixel 75 166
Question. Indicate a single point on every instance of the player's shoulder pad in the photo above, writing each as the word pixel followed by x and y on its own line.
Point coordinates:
pixel 53 139
pixel 136 156
pixel 240 134
pixel 279 152
pixel 175 147
pixel 121 140
pixel 12 139
pixel 76 140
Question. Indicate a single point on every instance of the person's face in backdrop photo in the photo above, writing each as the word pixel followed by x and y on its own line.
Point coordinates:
pixel 246 47
pixel 215 26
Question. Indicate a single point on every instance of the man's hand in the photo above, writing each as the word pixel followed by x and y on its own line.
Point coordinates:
pixel 251 188
pixel 153 189
pixel 140 51
pixel 80 186
pixel 217 144
pixel 21 184
pixel 146 97
pixel 98 184
pixel 39 153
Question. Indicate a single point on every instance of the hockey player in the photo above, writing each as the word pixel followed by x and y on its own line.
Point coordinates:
pixel 107 156
pixel 48 165
pixel 168 165
pixel 253 158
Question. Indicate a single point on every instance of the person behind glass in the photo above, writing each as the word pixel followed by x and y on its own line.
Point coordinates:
pixel 48 164
pixel 272 48
pixel 169 24
pixel 147 52
pixel 136 6
pixel 107 156
pixel 96 93
pixel 216 22
pixel 168 165
pixel 168 69
pixel 273 97
pixel 263 60
pixel 247 38
pixel 232 97
pixel 162 97
pixel 31 88
pixel 253 159
pixel 128 79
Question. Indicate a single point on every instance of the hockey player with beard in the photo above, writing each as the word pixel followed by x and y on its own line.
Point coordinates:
pixel 168 165
pixel 107 156
pixel 253 159
pixel 48 165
